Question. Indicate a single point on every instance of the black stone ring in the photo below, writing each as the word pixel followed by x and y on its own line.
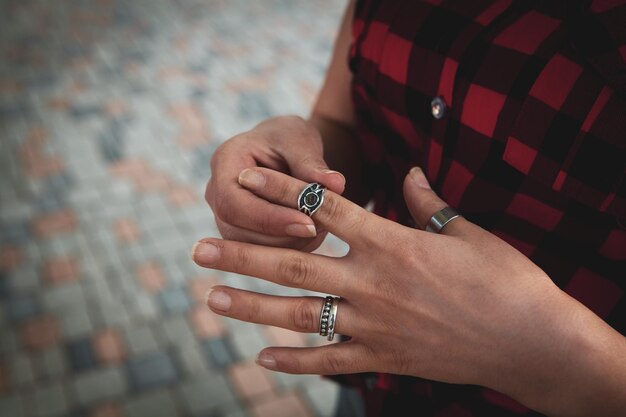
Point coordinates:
pixel 311 198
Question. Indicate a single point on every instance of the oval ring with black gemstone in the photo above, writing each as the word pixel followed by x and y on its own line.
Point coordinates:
pixel 311 198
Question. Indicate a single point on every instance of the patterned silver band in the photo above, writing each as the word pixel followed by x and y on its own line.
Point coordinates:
pixel 311 198
pixel 441 218
pixel 328 303
pixel 332 319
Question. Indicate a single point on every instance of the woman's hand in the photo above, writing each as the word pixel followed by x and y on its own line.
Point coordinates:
pixel 287 144
pixel 462 306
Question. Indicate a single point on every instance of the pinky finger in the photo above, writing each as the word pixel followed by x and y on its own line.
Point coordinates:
pixel 338 358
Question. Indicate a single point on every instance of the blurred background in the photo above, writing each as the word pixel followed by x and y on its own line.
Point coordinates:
pixel 109 113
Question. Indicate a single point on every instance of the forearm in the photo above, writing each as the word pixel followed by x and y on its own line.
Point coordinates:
pixel 342 153
pixel 575 365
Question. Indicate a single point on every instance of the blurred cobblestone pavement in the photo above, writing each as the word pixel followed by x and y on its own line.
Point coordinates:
pixel 109 113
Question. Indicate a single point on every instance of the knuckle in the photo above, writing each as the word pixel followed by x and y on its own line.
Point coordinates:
pixel 253 311
pixel 263 225
pixel 242 258
pixel 333 208
pixel 303 318
pixel 295 271
pixel 336 364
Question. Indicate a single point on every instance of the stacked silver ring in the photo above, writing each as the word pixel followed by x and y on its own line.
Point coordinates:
pixel 328 317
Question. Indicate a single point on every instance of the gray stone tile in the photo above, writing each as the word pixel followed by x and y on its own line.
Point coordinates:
pixel 204 394
pixel 20 307
pixel 322 397
pixel 219 352
pixel 248 344
pixel 141 339
pixel 10 406
pixel 76 322
pixel 191 359
pixel 49 401
pixel 81 355
pixel 143 307
pixel 99 385
pixel 157 403
pixel 152 370
pixel 176 331
pixel 174 300
pixel 22 372
pixel 51 363
pixel 60 297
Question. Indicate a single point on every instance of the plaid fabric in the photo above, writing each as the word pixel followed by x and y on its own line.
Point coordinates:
pixel 531 146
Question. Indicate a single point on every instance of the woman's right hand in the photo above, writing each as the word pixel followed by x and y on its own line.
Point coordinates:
pixel 288 144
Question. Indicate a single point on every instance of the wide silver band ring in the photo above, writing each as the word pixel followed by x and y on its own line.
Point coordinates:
pixel 441 218
pixel 311 198
pixel 328 317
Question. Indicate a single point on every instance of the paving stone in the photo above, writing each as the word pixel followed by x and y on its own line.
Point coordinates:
pixel 174 300
pixel 141 340
pixel 205 393
pixel 76 322
pixel 20 307
pixel 51 363
pixel 158 403
pixel 49 401
pixel 10 406
pixel 251 380
pixel 61 297
pixel 152 370
pixel 219 352
pixel 22 373
pixel 99 385
pixel 286 404
pixel 191 359
pixel 248 344
pixel 176 331
pixel 81 355
pixel 322 396
pixel 143 308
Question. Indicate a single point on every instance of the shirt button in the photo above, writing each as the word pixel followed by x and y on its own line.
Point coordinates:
pixel 438 108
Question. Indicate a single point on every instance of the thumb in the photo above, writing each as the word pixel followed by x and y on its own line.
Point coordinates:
pixel 423 202
pixel 308 165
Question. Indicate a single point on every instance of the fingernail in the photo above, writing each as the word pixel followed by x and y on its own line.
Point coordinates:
pixel 219 300
pixel 330 171
pixel 251 178
pixel 301 230
pixel 205 253
pixel 418 176
pixel 266 360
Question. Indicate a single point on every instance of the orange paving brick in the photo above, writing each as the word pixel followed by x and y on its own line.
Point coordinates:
pixel 10 258
pixel 287 404
pixel 61 270
pixel 188 139
pixel 251 380
pixel 198 287
pixel 54 223
pixel 182 196
pixel 206 323
pixel 130 168
pixel 126 230
pixel 40 332
pixel 106 410
pixel 153 181
pixel 284 337
pixel 109 347
pixel 59 103
pixel 151 276
pixel 115 108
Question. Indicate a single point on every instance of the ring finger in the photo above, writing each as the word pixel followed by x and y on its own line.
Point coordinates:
pixel 300 314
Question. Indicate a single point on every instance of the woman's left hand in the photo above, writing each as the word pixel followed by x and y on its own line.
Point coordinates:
pixel 461 306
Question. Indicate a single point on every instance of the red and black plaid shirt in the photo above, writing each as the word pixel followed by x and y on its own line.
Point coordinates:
pixel 531 145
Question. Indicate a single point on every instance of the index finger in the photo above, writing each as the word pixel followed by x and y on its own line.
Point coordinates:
pixel 337 214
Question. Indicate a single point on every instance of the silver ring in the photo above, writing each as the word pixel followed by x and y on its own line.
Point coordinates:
pixel 311 198
pixel 328 317
pixel 441 218
pixel 332 319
